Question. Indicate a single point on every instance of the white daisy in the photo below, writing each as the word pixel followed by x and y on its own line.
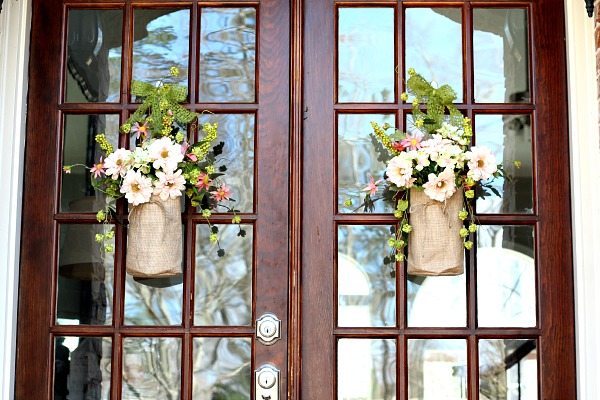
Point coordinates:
pixel 137 188
pixel 482 163
pixel 118 163
pixel 169 185
pixel 440 187
pixel 165 154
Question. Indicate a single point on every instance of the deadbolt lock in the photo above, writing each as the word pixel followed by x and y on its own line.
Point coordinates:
pixel 268 329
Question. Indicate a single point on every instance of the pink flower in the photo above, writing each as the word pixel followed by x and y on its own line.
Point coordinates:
pixel 372 186
pixel 98 169
pixel 204 181
pixel 222 193
pixel 411 142
pixel 397 146
pixel 184 147
pixel 140 130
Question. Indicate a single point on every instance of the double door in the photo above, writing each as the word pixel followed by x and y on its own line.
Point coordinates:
pixel 294 86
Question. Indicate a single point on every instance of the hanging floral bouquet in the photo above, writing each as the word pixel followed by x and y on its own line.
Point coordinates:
pixel 431 178
pixel 154 176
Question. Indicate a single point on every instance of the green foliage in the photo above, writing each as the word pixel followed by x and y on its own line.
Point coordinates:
pixel 438 103
pixel 160 107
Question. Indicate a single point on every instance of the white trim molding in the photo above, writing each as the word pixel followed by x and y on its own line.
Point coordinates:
pixel 14 58
pixel 585 189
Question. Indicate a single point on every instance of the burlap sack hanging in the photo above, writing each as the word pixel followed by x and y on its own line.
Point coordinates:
pixel 154 239
pixel 434 246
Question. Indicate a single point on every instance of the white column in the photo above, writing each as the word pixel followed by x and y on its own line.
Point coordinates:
pixel 584 134
pixel 14 56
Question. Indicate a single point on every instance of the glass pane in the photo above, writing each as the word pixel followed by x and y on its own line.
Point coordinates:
pixel 80 147
pixel 358 160
pixel 237 131
pixel 222 368
pixel 433 45
pixel 153 301
pixel 366 286
pixel 506 276
pixel 366 65
pixel 227 55
pixel 151 368
pixel 85 276
pixel 366 369
pixel 437 369
pixel 501 55
pixel 508 369
pixel 94 56
pixel 223 284
pixel 161 41
pixel 439 301
pixel 509 138
pixel 82 367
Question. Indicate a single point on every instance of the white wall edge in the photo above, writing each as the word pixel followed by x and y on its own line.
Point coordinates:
pixel 584 137
pixel 14 58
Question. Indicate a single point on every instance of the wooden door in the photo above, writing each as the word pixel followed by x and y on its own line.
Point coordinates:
pixel 88 330
pixel 505 329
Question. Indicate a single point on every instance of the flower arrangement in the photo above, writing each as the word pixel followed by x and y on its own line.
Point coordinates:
pixel 428 171
pixel 164 163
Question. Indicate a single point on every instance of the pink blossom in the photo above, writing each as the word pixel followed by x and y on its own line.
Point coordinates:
pixel 98 169
pixel 204 181
pixel 412 142
pixel 372 186
pixel 397 146
pixel 140 130
pixel 222 193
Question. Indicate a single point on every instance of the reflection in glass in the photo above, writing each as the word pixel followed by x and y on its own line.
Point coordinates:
pixel 237 131
pixel 366 286
pixel 439 301
pixel 366 65
pixel 366 369
pixel 501 55
pixel 151 305
pixel 161 41
pixel 506 276
pixel 82 368
pixel 358 159
pixel 508 369
pixel 80 147
pixel 509 138
pixel 434 45
pixel 94 56
pixel 151 368
pixel 223 284
pixel 222 368
pixel 85 276
pixel 227 54
pixel 437 369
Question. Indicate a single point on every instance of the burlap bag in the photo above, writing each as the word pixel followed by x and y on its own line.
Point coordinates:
pixel 434 246
pixel 154 239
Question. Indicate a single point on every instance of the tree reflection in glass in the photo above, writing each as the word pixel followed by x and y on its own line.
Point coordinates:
pixel 161 41
pixel 366 286
pixel 227 54
pixel 151 368
pixel 222 368
pixel 223 288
